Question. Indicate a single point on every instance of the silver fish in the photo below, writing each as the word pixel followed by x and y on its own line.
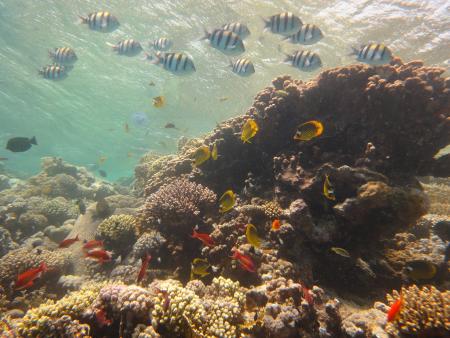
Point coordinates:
pixel 177 63
pixel 162 44
pixel 238 28
pixel 285 23
pixel 128 47
pixel 53 72
pixel 101 21
pixel 304 60
pixel 225 41
pixel 373 54
pixel 242 67
pixel 63 55
pixel 307 35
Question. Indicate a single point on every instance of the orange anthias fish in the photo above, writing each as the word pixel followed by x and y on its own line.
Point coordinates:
pixel 144 266
pixel 26 279
pixel 395 309
pixel 101 255
pixel 245 261
pixel 68 242
pixel 92 244
pixel 205 238
pixel 100 315
pixel 276 225
pixel 307 295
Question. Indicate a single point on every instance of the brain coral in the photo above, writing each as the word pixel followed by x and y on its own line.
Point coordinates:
pixel 118 231
pixel 425 312
pixel 178 204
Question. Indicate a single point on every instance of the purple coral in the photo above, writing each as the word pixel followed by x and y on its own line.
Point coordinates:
pixel 180 203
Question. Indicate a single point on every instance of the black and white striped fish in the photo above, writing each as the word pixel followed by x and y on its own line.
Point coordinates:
pixel 53 72
pixel 238 28
pixel 242 67
pixel 128 47
pixel 307 35
pixel 162 44
pixel 63 55
pixel 225 41
pixel 177 63
pixel 285 23
pixel 101 21
pixel 373 54
pixel 304 60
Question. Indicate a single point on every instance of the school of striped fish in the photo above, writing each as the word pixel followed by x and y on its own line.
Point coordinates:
pixel 227 38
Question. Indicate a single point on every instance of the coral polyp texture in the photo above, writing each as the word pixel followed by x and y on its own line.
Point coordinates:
pixel 118 231
pixel 178 204
pixel 425 312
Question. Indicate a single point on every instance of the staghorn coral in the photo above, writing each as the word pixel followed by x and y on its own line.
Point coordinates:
pixel 179 204
pixel 216 314
pixel 118 231
pixel 19 260
pixel 424 313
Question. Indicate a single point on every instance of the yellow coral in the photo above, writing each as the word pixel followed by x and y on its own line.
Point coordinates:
pixel 424 311
pixel 118 230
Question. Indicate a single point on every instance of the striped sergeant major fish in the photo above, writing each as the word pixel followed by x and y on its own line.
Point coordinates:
pixel 307 35
pixel 177 63
pixel 373 54
pixel 304 60
pixel 162 44
pixel 225 41
pixel 101 21
pixel 53 72
pixel 63 55
pixel 242 67
pixel 128 47
pixel 238 28
pixel 285 23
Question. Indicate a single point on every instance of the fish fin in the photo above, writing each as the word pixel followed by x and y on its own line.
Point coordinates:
pixel 286 38
pixel 266 23
pixel 26 286
pixel 230 65
pixel 43 267
pixel 51 53
pixel 33 140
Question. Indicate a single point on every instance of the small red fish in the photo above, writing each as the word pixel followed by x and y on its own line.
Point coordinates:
pixel 100 315
pixel 26 279
pixel 245 261
pixel 92 244
pixel 276 224
pixel 101 255
pixel 307 295
pixel 395 309
pixel 205 238
pixel 144 266
pixel 68 242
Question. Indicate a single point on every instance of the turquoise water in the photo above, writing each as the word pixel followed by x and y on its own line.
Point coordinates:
pixel 82 118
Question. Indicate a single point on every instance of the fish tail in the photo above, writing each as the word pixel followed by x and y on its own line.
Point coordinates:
pixel 82 19
pixel 113 46
pixel 354 51
pixel 33 140
pixel 43 267
pixel 51 53
pixel 266 23
pixel 230 63
pixel 206 36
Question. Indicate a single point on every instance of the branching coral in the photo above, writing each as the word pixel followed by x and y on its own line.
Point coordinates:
pixel 425 312
pixel 178 204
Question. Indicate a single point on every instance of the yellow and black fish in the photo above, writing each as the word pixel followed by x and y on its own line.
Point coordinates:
pixel 101 21
pixel 252 235
pixel 214 153
pixel 201 155
pixel 159 101
pixel 420 270
pixel 340 251
pixel 199 267
pixel 227 201
pixel 328 190
pixel 249 130
pixel 308 130
pixel 53 72
pixel 63 55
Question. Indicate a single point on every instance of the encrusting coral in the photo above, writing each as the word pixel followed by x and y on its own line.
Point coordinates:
pixel 425 312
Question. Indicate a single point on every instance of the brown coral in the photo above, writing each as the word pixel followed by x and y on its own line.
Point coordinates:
pixel 425 312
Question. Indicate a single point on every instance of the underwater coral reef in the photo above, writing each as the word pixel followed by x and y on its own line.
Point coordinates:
pixel 341 235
